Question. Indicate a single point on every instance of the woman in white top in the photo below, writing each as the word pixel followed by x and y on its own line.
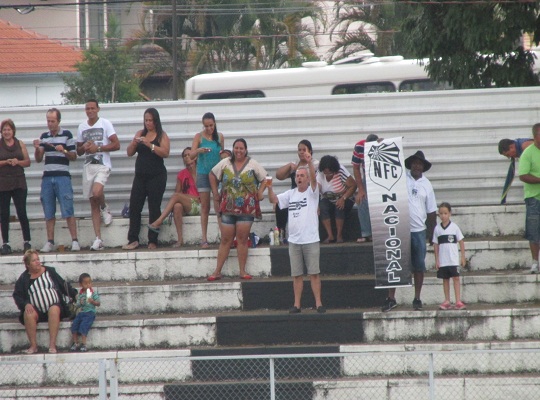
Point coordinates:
pixel 337 187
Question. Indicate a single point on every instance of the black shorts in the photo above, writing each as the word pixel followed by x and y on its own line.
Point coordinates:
pixel 43 317
pixel 447 272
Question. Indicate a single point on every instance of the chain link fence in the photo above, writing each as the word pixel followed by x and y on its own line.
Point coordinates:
pixel 384 375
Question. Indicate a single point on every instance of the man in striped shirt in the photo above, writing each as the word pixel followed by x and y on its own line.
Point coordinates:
pixel 58 148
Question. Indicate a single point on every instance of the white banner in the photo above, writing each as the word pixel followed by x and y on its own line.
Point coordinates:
pixel 389 211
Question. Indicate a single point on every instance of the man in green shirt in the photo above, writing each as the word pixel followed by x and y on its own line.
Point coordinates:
pixel 529 174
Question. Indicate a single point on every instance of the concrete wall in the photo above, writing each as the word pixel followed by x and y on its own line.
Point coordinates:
pixel 457 130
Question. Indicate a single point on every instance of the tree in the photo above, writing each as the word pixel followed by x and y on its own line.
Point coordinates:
pixel 373 26
pixel 215 35
pixel 475 44
pixel 104 73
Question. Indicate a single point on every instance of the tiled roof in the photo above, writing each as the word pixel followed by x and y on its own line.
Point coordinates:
pixel 26 52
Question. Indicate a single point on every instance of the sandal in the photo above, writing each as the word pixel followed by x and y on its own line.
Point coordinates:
pixel 246 277
pixel 212 278
pixel 205 245
pixel 152 246
pixel 153 228
pixel 177 245
pixel 363 239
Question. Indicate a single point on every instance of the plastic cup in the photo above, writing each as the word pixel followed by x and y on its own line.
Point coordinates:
pixel 268 180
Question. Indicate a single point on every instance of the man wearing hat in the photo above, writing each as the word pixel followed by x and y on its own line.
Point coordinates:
pixel 423 218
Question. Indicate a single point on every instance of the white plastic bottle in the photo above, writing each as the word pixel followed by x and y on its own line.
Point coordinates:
pixel 271 236
pixel 276 236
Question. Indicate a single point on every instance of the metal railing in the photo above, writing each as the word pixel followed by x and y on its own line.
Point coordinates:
pixel 385 375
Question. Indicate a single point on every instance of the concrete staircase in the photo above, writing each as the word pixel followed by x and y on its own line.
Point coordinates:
pixel 157 306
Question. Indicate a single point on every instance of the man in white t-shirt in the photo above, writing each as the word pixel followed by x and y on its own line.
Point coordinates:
pixel 423 218
pixel 304 247
pixel 96 137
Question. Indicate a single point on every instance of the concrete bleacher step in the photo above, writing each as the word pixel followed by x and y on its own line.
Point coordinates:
pixel 366 371
pixel 504 322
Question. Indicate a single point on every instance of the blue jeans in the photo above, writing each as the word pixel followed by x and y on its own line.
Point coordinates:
pixel 532 220
pixel 418 251
pixel 363 216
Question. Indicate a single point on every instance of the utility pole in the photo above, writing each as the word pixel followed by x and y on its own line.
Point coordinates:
pixel 174 53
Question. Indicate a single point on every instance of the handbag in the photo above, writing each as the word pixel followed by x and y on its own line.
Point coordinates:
pixel 70 308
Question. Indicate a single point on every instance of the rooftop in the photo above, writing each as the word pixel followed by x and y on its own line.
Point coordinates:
pixel 26 52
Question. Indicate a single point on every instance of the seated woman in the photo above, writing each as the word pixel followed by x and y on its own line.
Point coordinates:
pixel 185 199
pixel 337 187
pixel 39 295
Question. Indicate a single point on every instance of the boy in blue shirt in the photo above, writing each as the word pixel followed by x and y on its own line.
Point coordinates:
pixel 87 301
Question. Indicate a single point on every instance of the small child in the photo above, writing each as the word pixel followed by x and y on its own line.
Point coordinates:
pixel 446 238
pixel 87 301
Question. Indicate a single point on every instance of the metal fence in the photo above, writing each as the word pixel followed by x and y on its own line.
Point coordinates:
pixel 386 375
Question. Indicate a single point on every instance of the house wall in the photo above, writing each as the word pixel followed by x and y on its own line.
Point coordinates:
pixel 31 90
pixel 62 22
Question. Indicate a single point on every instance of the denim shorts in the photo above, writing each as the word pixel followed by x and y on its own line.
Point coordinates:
pixel 203 183
pixel 57 187
pixel 418 251
pixel 532 220
pixel 231 219
pixel 83 322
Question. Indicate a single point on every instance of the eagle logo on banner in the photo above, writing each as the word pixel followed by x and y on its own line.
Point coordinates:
pixel 385 168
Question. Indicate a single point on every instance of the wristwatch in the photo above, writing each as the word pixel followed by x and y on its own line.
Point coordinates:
pixel 65 151
pixel 153 147
pixel 99 149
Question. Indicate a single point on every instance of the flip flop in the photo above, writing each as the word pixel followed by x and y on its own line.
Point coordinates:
pixel 212 278
pixel 28 351
pixel 153 228
pixel 246 277
pixel 205 245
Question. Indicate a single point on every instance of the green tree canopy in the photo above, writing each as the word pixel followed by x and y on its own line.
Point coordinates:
pixel 104 73
pixel 475 44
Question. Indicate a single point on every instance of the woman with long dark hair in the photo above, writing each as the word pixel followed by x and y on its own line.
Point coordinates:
pixel 243 181
pixel 206 148
pixel 153 146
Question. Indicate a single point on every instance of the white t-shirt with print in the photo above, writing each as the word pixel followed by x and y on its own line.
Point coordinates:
pixel 303 218
pixel 99 133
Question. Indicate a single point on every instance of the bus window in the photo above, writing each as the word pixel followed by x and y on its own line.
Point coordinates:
pixel 247 94
pixel 367 87
pixel 422 85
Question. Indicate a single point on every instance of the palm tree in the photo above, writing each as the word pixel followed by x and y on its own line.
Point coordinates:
pixel 373 25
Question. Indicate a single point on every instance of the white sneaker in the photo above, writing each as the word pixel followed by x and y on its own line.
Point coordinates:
pixel 48 248
pixel 106 215
pixel 97 245
pixel 534 268
pixel 75 246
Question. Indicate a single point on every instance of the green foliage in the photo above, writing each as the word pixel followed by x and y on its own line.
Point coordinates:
pixel 216 35
pixel 475 45
pixel 103 74
pixel 373 26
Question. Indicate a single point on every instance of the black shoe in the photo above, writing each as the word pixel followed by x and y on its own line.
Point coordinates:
pixel 417 304
pixel 6 249
pixel 321 310
pixel 27 246
pixel 389 304
pixel 294 310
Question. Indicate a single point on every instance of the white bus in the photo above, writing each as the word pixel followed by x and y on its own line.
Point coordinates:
pixel 366 74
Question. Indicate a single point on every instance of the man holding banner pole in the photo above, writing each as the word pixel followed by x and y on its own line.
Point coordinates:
pixel 423 218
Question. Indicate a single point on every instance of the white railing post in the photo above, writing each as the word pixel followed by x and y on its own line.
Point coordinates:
pixel 272 380
pixel 113 374
pixel 102 379
pixel 431 378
